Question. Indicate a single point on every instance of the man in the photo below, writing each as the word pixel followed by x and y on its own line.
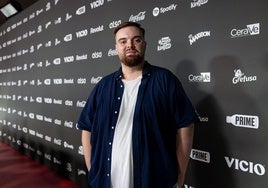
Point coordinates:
pixel 137 123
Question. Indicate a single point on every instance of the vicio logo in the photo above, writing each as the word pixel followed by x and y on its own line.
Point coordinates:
pixel 245 166
pixel 96 4
pixel 240 77
pixel 252 29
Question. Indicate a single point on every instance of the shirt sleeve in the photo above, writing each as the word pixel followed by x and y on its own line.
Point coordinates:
pixel 87 115
pixel 184 112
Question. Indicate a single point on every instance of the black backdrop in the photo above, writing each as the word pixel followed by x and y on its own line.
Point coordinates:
pixel 53 53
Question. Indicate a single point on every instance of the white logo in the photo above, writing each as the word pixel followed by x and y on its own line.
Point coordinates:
pixel 156 11
pixel 164 43
pixel 97 29
pixel 252 29
pixel 245 166
pixel 82 33
pixel 114 24
pixel 96 4
pixel 139 17
pixel 68 37
pixel 81 10
pixel 240 77
pixel 198 3
pixel 194 38
pixel 112 52
pixel 96 55
pixel 203 77
pixel 243 121
pixel 95 80
pixel 162 10
pixel 199 155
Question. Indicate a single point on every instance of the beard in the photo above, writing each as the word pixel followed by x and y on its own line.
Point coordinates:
pixel 131 61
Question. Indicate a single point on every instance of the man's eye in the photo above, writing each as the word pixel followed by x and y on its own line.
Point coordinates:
pixel 122 42
pixel 137 40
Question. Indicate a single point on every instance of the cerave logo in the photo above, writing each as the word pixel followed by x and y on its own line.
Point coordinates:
pixel 245 166
pixel 246 121
pixel 251 29
pixel 203 77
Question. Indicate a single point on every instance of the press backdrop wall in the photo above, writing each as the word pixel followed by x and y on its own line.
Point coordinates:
pixel 53 54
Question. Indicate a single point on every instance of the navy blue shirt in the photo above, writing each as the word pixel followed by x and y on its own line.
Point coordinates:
pixel 162 107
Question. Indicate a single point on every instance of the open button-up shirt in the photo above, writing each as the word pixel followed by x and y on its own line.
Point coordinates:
pixel 162 107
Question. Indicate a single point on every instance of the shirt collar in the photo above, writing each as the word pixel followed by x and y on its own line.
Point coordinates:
pixel 145 72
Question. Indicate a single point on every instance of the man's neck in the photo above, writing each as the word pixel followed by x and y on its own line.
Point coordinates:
pixel 131 73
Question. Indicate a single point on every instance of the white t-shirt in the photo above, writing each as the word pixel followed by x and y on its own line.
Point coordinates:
pixel 122 158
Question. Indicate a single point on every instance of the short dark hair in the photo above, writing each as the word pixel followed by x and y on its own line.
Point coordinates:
pixel 127 24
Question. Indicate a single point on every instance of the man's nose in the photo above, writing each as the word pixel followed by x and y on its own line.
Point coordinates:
pixel 130 44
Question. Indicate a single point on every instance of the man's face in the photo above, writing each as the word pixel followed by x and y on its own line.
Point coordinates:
pixel 130 46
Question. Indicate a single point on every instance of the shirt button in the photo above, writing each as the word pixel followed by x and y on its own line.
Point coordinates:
pixel 112 127
pixel 121 85
pixel 115 112
pixel 108 174
pixel 118 98
pixel 108 159
pixel 110 143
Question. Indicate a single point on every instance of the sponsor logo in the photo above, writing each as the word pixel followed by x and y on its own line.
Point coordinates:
pixel 81 10
pixel 80 103
pixel 96 55
pixel 81 57
pixel 81 33
pixel 96 29
pixel 68 124
pixel 251 29
pixel 57 141
pixel 240 77
pixel 114 24
pixel 81 81
pixel 164 43
pixel 69 167
pixel 56 161
pixel 68 59
pixel 95 80
pixel 203 77
pixel 68 38
pixel 112 52
pixel 199 155
pixel 198 3
pixel 246 121
pixel 139 17
pixel 66 145
pixel 80 150
pixel 245 166
pixel 96 4
pixel 162 10
pixel 81 172
pixel 194 38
